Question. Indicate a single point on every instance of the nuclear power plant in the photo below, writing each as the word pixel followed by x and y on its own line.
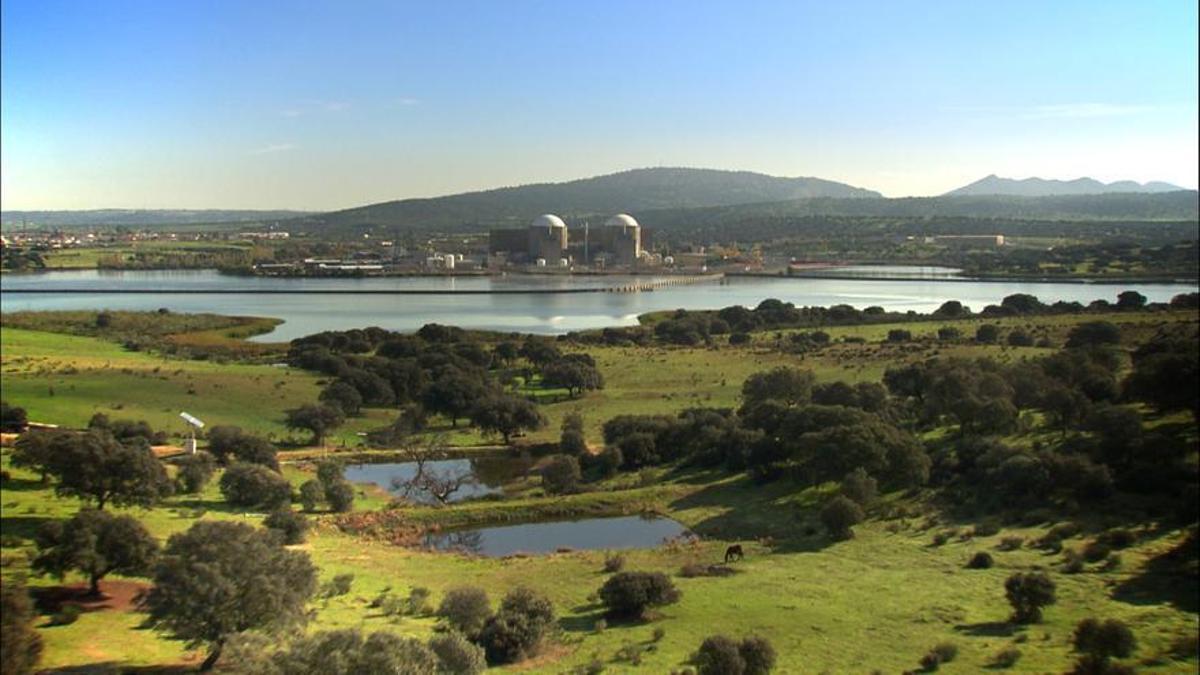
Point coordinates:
pixel 548 242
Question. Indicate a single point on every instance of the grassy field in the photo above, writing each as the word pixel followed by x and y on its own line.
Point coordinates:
pixel 878 601
pixel 92 257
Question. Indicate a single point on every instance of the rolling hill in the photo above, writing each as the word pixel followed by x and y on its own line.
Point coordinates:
pixel 627 191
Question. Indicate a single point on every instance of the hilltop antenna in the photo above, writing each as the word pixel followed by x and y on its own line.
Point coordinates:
pixel 194 423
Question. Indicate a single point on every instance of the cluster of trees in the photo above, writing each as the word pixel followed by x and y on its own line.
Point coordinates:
pixel 1102 443
pixel 439 370
pixel 685 327
pixel 13 419
pixel 95 466
pixel 516 630
pixel 788 425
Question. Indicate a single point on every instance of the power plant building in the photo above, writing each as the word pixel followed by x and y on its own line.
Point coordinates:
pixel 618 242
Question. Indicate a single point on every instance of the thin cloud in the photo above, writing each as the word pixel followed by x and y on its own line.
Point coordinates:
pixel 274 148
pixel 292 113
pixel 1079 110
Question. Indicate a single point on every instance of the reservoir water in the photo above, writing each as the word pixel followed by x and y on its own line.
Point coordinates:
pixel 488 474
pixel 540 312
pixel 587 534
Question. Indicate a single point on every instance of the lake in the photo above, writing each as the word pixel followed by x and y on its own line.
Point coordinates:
pixel 544 313
pixel 489 473
pixel 587 534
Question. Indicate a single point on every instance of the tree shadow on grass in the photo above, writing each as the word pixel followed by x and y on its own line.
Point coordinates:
pixel 25 485
pixel 988 629
pixel 114 667
pixel 25 527
pixel 749 511
pixel 583 619
pixel 1169 578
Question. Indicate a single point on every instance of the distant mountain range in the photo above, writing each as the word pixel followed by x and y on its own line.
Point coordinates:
pixel 674 199
pixel 627 191
pixel 141 217
pixel 1041 187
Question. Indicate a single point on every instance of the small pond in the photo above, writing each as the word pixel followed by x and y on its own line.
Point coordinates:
pixel 488 475
pixel 587 534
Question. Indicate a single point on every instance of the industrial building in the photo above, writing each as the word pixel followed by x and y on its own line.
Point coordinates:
pixel 549 242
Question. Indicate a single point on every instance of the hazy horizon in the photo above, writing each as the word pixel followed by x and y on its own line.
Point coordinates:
pixel 229 105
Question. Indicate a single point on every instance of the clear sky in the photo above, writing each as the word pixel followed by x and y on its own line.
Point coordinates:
pixel 321 105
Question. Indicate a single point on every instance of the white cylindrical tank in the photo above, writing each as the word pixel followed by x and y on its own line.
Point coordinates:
pixel 541 262
pixel 449 262
pixel 563 262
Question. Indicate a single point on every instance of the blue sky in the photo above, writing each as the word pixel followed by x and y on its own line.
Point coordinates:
pixel 320 105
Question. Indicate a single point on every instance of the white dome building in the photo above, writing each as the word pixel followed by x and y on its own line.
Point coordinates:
pixel 623 236
pixel 547 237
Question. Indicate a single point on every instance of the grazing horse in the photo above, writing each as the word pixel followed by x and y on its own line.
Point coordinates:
pixel 734 553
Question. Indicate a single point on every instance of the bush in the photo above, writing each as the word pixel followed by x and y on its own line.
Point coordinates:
pixel 561 475
pixel 1095 551
pixel 1091 664
pixel 930 662
pixel 312 493
pixel 572 443
pixel 1010 543
pixel 458 656
pixel 290 525
pixel 1072 562
pixel 609 461
pixel 466 609
pixel 758 655
pixel 987 333
pixel 1028 593
pixel 946 651
pixel 340 496
pixel 66 615
pixel 1019 338
pixel 517 629
pixel 1119 538
pixel 614 563
pixel 981 561
pixel 839 516
pixel 339 585
pixel 254 485
pixel 859 487
pixel 630 594
pixel 899 335
pixel 418 601
pixel 194 472
pixel 719 655
pixel 986 528
pixel 1006 658
pixel 1111 638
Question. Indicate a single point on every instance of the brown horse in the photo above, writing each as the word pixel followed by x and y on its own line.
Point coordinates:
pixel 734 553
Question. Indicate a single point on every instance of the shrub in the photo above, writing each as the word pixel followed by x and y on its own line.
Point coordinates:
pixel 254 485
pixel 339 585
pixel 930 662
pixel 572 443
pixel 418 601
pixel 1090 664
pixel 839 516
pixel 630 594
pixel 1119 538
pixel 986 528
pixel 719 655
pixel 659 634
pixel 561 475
pixel 859 487
pixel 458 656
pixel 312 493
pixel 946 651
pixel 1028 593
pixel 1006 658
pixel 1111 638
pixel 194 472
pixel 466 609
pixel 66 615
pixel 1010 543
pixel 614 563
pixel 691 570
pixel 21 642
pixel 517 629
pixel 1095 551
pixel 340 496
pixel 987 333
pixel 609 461
pixel 899 335
pixel 981 561
pixel 1072 562
pixel 290 525
pixel 758 655
pixel 1019 338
